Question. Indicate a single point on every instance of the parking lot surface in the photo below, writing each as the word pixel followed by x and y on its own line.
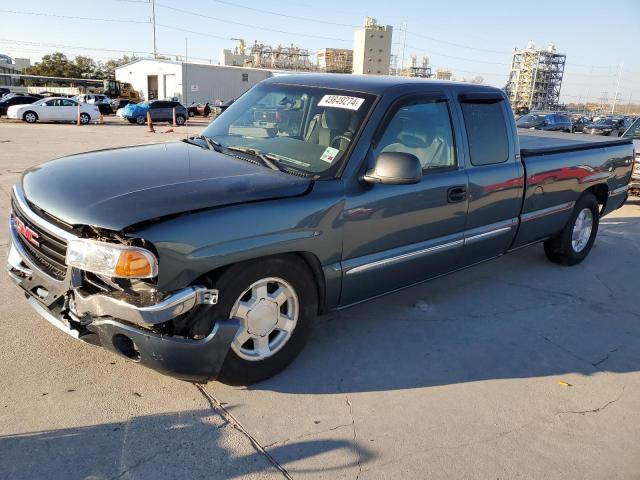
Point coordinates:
pixel 516 368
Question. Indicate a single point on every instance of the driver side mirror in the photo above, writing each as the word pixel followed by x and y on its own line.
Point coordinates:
pixel 395 168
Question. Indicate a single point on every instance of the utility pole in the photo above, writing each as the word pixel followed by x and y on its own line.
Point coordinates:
pixel 615 98
pixel 153 21
pixel 404 43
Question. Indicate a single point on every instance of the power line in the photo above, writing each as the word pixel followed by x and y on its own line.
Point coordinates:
pixel 55 15
pixel 431 52
pixel 258 27
pixel 178 29
pixel 285 15
pixel 459 45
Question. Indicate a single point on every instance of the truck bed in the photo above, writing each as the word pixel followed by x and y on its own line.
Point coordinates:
pixel 538 142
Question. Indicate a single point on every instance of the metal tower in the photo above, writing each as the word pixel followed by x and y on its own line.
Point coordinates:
pixel 536 78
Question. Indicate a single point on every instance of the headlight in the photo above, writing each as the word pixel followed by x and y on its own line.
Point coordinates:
pixel 111 260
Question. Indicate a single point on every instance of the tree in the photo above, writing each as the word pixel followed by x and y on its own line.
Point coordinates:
pixel 85 66
pixel 107 69
pixel 54 65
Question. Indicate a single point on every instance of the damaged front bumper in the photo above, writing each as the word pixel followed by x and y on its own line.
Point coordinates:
pixel 119 325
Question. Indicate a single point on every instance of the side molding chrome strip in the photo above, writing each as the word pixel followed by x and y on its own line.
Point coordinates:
pixel 536 214
pixel 399 258
pixel 42 223
pixel 488 234
pixel 618 191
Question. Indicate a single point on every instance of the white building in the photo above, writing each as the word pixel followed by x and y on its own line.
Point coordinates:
pixel 372 48
pixel 188 82
pixel 13 65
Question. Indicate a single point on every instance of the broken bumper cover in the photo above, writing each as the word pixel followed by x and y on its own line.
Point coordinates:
pixel 123 327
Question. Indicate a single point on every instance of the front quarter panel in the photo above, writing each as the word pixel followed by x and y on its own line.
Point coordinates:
pixel 192 245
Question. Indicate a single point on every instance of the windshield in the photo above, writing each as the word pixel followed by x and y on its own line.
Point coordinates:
pixel 531 118
pixel 306 128
pixel 604 121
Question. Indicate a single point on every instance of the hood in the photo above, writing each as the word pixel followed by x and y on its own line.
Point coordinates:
pixel 116 188
pixel 598 127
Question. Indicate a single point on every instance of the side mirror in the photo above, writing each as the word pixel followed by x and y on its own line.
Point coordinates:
pixel 395 168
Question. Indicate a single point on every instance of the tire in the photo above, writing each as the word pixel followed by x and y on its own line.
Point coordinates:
pixel 84 118
pixel 566 249
pixel 141 119
pixel 243 364
pixel 30 117
pixel 180 120
pixel 191 114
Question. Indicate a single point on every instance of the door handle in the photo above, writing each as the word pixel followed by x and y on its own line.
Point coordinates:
pixel 456 194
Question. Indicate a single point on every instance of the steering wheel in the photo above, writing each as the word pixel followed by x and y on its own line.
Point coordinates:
pixel 340 137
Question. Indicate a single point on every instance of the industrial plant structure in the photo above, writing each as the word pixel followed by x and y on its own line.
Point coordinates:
pixel 372 48
pixel 335 60
pixel 536 78
pixel 278 58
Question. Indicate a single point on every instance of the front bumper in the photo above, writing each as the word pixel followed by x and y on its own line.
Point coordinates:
pixel 123 327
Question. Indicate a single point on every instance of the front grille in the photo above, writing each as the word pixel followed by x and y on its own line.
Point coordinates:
pixel 50 253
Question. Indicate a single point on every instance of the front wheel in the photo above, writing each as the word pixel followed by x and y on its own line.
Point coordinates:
pixel 30 117
pixel 141 119
pixel 574 243
pixel 275 300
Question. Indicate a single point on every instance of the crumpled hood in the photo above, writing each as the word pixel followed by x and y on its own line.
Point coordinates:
pixel 116 188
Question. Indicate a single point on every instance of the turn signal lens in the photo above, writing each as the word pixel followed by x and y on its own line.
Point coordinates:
pixel 134 264
pixel 111 259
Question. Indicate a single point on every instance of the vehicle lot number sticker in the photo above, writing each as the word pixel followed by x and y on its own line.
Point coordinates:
pixel 341 101
pixel 329 154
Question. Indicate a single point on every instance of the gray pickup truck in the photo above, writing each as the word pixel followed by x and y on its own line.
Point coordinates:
pixel 209 258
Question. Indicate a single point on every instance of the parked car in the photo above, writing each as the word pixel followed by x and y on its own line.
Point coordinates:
pixel 4 91
pixel 54 110
pixel 102 101
pixel 199 109
pixel 607 126
pixel 222 106
pixel 546 121
pixel 118 103
pixel 8 101
pixel 579 123
pixel 160 110
pixel 633 132
pixel 210 257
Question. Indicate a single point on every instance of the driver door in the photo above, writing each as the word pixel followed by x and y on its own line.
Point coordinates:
pixel 397 235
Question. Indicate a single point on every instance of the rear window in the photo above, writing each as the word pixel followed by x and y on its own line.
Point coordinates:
pixel 486 132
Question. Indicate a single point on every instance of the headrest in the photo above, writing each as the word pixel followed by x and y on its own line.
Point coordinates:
pixel 415 138
pixel 336 119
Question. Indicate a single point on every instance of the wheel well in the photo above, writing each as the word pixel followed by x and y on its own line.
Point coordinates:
pixel 29 111
pixel 601 192
pixel 308 259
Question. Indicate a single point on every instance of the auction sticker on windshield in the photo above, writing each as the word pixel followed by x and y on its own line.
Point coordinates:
pixel 341 101
pixel 329 154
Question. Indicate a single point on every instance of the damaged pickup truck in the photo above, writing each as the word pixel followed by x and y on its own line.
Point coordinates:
pixel 210 257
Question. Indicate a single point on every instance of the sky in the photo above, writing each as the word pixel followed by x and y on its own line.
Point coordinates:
pixel 471 38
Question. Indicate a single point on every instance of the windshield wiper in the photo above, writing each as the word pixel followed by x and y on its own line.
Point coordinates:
pixel 211 143
pixel 266 158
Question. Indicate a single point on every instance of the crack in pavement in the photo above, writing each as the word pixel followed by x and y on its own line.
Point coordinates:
pixel 226 415
pixel 606 357
pixel 355 437
pixel 599 409
pixel 306 435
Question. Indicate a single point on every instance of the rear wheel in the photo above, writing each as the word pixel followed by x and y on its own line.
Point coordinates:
pixel 84 118
pixel 30 117
pixel 574 243
pixel 180 120
pixel 275 300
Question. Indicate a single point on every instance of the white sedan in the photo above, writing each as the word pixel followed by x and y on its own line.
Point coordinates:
pixel 56 109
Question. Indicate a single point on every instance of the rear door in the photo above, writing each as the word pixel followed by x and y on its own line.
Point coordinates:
pixel 158 110
pixel 496 176
pixel 68 110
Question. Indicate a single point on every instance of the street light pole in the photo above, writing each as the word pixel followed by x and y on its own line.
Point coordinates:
pixel 153 21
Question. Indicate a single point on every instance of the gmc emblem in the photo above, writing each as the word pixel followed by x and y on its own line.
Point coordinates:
pixel 28 234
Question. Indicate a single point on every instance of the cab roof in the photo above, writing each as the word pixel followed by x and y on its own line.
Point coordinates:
pixel 374 84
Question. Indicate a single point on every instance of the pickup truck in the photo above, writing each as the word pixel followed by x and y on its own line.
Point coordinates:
pixel 209 258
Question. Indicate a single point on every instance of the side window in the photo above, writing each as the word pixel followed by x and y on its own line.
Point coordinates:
pixel 424 130
pixel 68 103
pixel 486 132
